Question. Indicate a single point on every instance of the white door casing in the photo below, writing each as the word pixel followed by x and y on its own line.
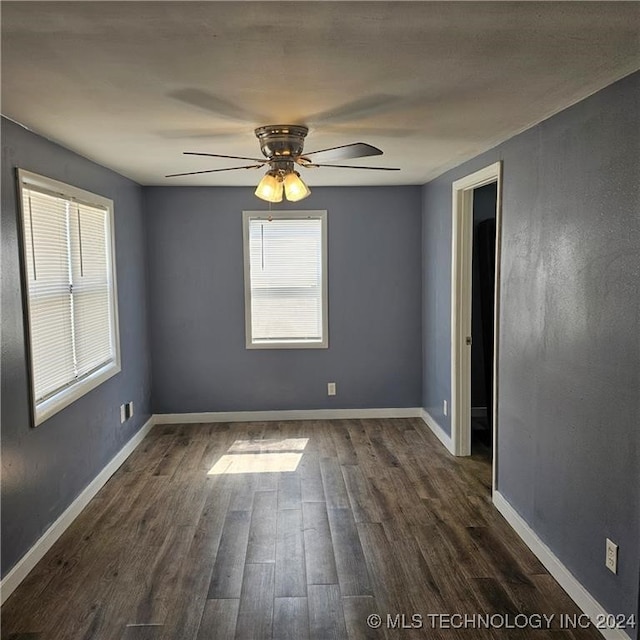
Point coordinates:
pixel 461 277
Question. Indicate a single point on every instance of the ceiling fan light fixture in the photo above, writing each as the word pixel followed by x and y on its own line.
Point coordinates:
pixel 294 188
pixel 270 188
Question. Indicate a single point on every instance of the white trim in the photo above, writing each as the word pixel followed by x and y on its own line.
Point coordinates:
pixel 47 408
pixel 438 431
pixel 55 187
pixel 585 601
pixel 29 560
pixel 323 343
pixel 461 276
pixel 295 414
pixel 496 329
pixel 461 249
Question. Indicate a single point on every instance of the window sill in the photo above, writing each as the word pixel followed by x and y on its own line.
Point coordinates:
pixel 308 344
pixel 47 408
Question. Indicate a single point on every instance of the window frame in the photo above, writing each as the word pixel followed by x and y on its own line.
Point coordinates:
pixel 45 409
pixel 321 215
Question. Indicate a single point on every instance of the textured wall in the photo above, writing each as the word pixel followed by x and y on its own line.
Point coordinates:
pixel 436 299
pixel 569 368
pixel 45 468
pixel 200 362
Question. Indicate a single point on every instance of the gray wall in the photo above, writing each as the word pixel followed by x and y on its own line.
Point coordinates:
pixel 45 468
pixel 569 397
pixel 200 362
pixel 436 300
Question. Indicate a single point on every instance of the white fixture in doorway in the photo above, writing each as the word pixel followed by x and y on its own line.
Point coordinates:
pixel 461 252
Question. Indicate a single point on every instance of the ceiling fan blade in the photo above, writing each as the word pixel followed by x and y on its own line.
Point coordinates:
pixel 193 173
pixel 350 166
pixel 345 152
pixel 218 155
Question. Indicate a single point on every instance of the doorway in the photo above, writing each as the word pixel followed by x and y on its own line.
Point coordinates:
pixel 482 304
pixel 462 306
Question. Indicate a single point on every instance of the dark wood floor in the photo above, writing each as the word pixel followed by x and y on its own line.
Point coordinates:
pixel 376 518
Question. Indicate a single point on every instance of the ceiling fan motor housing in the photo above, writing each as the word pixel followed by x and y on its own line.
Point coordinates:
pixel 281 140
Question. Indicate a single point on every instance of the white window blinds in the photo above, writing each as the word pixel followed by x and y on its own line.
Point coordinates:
pixel 50 306
pixel 71 301
pixel 286 280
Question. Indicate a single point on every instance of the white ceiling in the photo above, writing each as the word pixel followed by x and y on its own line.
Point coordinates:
pixel 132 85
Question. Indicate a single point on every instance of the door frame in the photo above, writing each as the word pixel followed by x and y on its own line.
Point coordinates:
pixel 461 278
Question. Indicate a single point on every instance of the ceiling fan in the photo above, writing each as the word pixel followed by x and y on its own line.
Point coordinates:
pixel 282 145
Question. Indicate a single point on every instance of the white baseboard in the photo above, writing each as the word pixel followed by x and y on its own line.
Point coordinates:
pixel 268 416
pixel 585 601
pixel 20 571
pixel 438 431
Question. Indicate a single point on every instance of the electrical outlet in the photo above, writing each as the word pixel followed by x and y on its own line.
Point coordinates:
pixel 126 411
pixel 611 561
pixel 445 407
pixel 331 388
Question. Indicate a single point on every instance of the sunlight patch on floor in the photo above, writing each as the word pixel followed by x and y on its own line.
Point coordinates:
pixel 261 456
pixel 272 444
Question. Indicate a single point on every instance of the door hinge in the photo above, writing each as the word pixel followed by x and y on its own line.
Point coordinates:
pixel 468 340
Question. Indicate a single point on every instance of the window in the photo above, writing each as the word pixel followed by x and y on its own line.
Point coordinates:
pixel 69 273
pixel 285 276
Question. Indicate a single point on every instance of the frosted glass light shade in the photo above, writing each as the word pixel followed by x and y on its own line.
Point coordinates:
pixel 269 188
pixel 294 188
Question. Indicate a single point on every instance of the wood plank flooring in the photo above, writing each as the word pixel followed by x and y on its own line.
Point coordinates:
pixel 375 518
